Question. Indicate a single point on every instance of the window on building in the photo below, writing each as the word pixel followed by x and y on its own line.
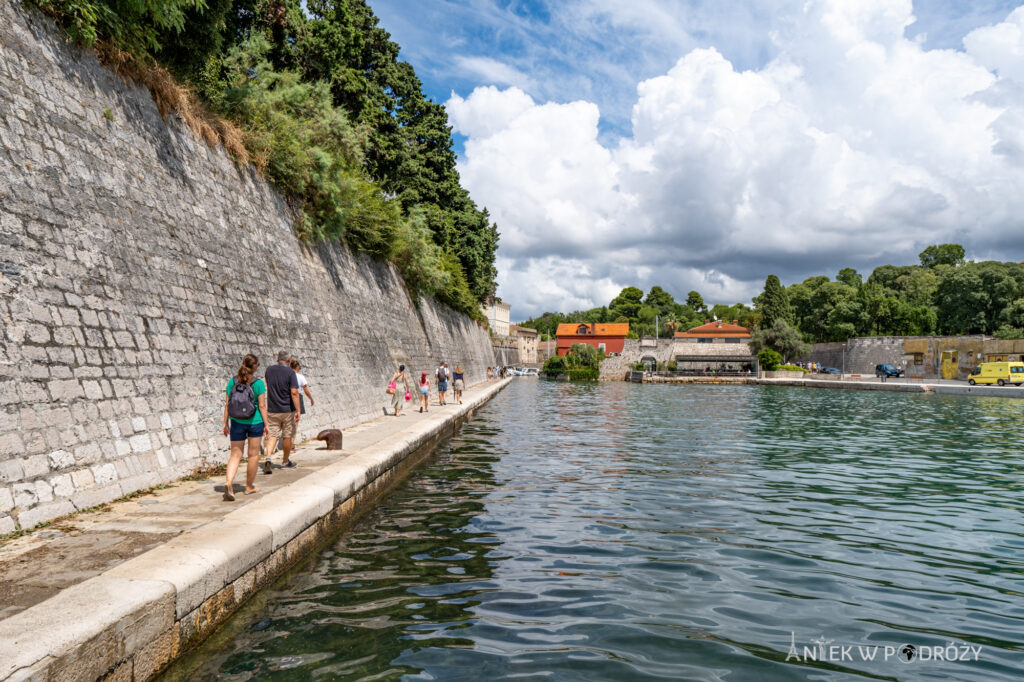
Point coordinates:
pixel 600 347
pixel 704 339
pixel 582 329
pixel 918 358
pixel 734 340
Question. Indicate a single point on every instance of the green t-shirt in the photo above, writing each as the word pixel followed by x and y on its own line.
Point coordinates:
pixel 258 389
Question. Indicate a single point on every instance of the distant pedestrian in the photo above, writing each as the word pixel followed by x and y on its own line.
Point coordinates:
pixel 283 410
pixel 490 372
pixel 398 397
pixel 424 392
pixel 245 413
pixel 458 382
pixel 442 375
pixel 303 386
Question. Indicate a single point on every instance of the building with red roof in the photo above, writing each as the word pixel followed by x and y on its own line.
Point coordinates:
pixel 607 337
pixel 716 332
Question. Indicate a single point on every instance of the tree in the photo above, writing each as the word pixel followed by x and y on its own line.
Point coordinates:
pixel 849 277
pixel 942 254
pixel 774 303
pixel 627 303
pixel 660 300
pixel 781 338
pixel 695 302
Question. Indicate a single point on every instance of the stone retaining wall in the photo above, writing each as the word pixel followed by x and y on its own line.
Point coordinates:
pixel 138 266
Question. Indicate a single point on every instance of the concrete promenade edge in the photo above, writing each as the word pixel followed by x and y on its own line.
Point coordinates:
pixel 120 594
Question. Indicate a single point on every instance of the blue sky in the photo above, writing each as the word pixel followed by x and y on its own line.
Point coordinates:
pixel 702 144
pixel 459 45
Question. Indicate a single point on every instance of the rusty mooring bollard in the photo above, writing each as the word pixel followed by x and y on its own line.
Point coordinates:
pixel 333 438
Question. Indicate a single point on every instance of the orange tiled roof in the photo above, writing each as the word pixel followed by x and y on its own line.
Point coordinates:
pixel 715 329
pixel 598 329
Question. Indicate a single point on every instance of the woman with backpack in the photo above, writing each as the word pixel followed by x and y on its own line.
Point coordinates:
pixel 245 412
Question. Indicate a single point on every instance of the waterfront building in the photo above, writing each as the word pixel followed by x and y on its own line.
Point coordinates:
pixel 715 346
pixel 498 315
pixel 525 340
pixel 607 337
pixel 716 332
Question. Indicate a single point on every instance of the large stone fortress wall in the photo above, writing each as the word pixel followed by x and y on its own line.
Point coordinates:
pixel 137 267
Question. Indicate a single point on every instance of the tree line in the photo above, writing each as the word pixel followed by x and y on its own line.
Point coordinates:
pixel 311 92
pixel 656 312
pixel 944 294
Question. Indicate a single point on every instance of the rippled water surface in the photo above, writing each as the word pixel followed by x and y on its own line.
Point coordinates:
pixel 620 531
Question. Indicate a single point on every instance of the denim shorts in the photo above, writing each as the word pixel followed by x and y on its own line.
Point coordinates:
pixel 241 431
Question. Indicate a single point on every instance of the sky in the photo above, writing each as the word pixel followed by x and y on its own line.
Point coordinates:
pixel 703 145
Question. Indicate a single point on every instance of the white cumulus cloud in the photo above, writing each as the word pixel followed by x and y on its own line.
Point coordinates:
pixel 853 146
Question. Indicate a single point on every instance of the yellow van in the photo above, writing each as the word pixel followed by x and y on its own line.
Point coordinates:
pixel 1001 373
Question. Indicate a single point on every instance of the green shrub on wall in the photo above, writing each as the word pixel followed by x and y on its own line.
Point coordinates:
pixel 769 359
pixel 314 96
pixel 791 368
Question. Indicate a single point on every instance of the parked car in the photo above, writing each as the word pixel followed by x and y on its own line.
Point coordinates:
pixel 829 370
pixel 1001 373
pixel 886 371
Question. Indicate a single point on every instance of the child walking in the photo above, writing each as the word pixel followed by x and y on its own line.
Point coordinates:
pixel 424 392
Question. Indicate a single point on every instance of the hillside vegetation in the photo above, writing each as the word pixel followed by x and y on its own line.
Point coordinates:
pixel 314 95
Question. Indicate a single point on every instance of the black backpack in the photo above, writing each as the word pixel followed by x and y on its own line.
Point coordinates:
pixel 242 403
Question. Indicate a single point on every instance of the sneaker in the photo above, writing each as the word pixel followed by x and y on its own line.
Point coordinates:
pixel 268 468
pixel 290 464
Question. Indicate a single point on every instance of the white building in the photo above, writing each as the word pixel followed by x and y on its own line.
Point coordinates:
pixel 497 313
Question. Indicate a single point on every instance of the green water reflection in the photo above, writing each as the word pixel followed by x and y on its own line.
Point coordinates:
pixel 585 532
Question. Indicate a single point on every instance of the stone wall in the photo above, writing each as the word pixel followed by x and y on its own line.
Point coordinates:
pixel 138 266
pixel 858 355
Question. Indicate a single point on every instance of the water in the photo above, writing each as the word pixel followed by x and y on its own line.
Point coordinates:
pixel 619 531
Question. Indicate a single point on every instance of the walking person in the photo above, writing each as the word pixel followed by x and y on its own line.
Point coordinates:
pixel 458 382
pixel 442 374
pixel 283 409
pixel 398 398
pixel 424 392
pixel 245 413
pixel 303 386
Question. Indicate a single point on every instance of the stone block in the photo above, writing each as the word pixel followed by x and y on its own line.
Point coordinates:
pixel 61 459
pixel 62 485
pixel 11 444
pixel 195 574
pixel 6 500
pixel 87 498
pixel 7 525
pixel 24 495
pixel 288 511
pixel 45 512
pixel 112 619
pixel 82 478
pixel 10 471
pixel 36 465
pixel 104 473
pixel 140 443
pixel 44 493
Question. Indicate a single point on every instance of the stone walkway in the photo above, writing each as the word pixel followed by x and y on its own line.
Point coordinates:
pixel 39 565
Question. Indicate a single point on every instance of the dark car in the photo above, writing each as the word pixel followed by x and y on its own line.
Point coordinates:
pixel 829 370
pixel 887 371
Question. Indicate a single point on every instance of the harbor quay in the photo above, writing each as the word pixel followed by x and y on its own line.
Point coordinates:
pixel 122 592
pixel 851 384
